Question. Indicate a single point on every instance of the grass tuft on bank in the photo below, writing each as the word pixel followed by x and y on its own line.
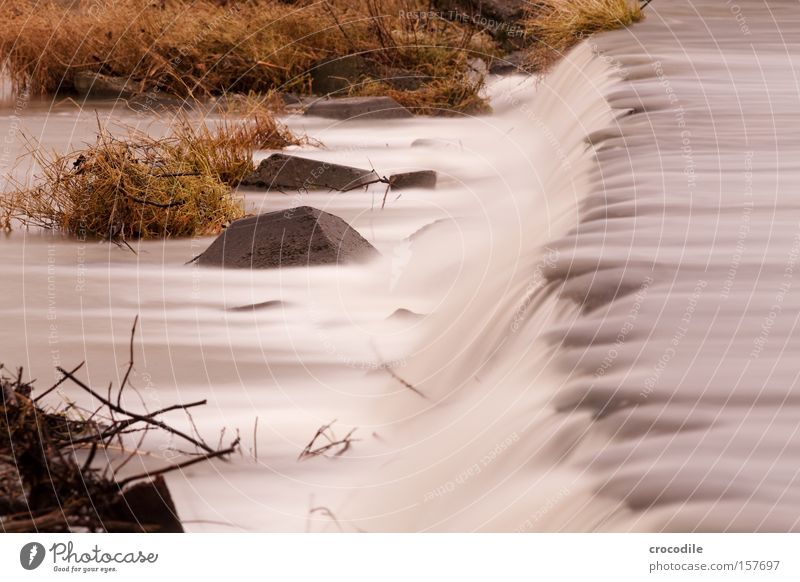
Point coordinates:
pixel 557 25
pixel 138 186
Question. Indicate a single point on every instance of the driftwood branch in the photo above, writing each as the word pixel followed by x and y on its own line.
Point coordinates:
pixel 395 375
pixel 122 426
pixel 130 361
pixel 45 487
pixel 212 455
pixel 59 383
pixel 138 417
pixel 325 433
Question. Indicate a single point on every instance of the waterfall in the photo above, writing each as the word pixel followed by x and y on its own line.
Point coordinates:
pixel 597 305
pixel 485 448
pixel 623 356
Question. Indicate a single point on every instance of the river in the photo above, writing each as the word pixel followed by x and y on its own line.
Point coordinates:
pixel 603 295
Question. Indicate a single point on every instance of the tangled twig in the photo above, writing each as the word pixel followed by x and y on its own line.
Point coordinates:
pixel 43 487
pixel 325 433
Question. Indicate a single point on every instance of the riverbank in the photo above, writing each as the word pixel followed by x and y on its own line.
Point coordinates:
pixel 199 49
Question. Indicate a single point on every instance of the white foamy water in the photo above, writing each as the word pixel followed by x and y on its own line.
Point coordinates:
pixel 651 385
pixel 608 289
pixel 316 357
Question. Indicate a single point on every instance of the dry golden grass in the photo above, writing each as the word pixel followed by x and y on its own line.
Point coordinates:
pixel 197 47
pixel 436 97
pixel 226 150
pixel 557 25
pixel 143 187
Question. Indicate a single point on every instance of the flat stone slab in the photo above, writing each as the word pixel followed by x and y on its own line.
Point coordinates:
pixel 404 314
pixel 287 238
pixel 147 505
pixel 358 108
pixel 420 179
pixel 436 143
pixel 89 84
pixel 272 303
pixel 284 172
pixel 514 62
pixel 157 102
pixel 337 74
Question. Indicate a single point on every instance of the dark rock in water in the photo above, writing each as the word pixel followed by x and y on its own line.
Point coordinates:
pixel 437 143
pixel 336 75
pixel 357 108
pixel 145 507
pixel 430 227
pixel 514 62
pixel 153 101
pixel 257 306
pixel 294 100
pixel 89 84
pixel 293 237
pixel 295 103
pixel 403 314
pixel 421 179
pixel 291 99
pixel 283 172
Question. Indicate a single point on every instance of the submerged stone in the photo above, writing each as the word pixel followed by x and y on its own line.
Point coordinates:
pixel 337 74
pixel 272 303
pixel 515 62
pixel 284 172
pixel 403 314
pixel 420 179
pixel 145 507
pixel 358 108
pixel 89 84
pixel 153 101
pixel 287 238
pixel 436 143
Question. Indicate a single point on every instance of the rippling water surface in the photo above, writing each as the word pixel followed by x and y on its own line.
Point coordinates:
pixel 605 284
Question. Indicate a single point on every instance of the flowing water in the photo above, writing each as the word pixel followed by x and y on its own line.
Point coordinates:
pixel 602 294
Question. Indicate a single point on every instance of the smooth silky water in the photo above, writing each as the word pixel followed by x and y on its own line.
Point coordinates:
pixel 605 279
